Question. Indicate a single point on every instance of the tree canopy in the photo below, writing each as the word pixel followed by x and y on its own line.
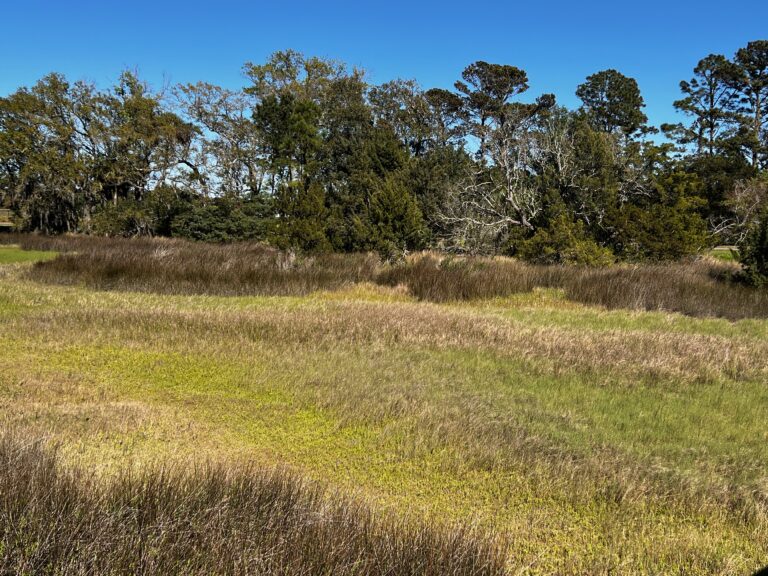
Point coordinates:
pixel 309 155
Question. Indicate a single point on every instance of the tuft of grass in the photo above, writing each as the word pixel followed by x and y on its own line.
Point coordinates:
pixel 180 267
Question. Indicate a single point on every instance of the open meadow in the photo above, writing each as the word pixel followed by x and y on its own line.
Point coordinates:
pixel 438 416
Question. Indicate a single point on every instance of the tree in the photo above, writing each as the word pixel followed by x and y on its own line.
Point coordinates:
pixel 402 105
pixel 711 100
pixel 750 80
pixel 396 218
pixel 430 178
pixel 228 159
pixel 746 201
pixel 446 117
pixel 46 169
pixel 289 130
pixel 301 217
pixel 486 90
pixel 139 143
pixel 499 193
pixel 613 103
pixel 708 98
pixel 307 78
pixel 584 170
pixel 666 225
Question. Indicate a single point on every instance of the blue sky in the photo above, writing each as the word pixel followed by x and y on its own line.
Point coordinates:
pixel 557 43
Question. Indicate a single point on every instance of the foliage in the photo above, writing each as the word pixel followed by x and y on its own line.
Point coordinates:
pixel 310 156
pixel 668 228
pixel 755 252
pixel 220 220
pixel 564 242
pixel 300 219
pixel 613 102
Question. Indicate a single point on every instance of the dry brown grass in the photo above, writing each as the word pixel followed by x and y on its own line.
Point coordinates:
pixel 697 288
pixel 702 288
pixel 210 519
pixel 180 267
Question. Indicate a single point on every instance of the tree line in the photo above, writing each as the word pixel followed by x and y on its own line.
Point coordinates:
pixel 311 156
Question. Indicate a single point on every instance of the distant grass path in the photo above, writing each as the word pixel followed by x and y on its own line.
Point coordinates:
pixel 598 441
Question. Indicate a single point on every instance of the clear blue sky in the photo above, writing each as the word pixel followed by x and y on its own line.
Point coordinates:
pixel 558 43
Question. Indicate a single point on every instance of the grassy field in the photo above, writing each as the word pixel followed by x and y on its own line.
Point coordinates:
pixel 588 440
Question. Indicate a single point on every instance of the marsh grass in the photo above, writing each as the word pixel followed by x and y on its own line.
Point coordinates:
pixel 208 520
pixel 178 267
pixel 701 288
pixel 600 441
pixel 705 287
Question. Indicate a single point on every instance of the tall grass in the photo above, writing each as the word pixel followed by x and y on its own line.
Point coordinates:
pixel 180 267
pixel 703 287
pixel 211 520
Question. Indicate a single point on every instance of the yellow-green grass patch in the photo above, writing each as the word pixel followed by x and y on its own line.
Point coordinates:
pixel 15 255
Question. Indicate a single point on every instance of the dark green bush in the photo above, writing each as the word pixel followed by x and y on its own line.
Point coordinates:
pixel 221 220
pixel 564 242
pixel 755 253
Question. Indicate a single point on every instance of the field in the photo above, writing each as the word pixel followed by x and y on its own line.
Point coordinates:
pixel 481 417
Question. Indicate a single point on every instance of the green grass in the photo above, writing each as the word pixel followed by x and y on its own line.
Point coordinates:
pixel 15 255
pixel 725 253
pixel 597 441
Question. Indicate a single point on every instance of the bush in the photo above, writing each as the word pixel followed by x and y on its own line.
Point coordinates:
pixel 300 224
pixel 220 220
pixel 755 253
pixel 564 242
pixel 667 228
pixel 127 218
pixel 397 221
pixel 151 216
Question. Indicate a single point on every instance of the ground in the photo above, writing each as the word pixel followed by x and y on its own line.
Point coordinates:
pixel 595 441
